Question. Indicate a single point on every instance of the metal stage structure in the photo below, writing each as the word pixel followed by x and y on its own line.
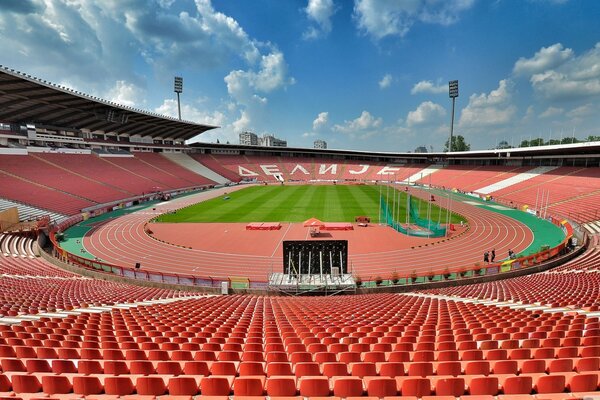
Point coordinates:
pixel 314 267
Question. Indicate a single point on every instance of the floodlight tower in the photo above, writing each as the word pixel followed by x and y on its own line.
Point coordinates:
pixel 178 89
pixel 453 92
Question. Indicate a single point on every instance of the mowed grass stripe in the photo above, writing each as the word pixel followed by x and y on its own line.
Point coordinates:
pixel 293 203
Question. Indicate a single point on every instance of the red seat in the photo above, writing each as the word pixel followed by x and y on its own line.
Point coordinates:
pixel 215 386
pixel 279 368
pixel 87 385
pixel 63 367
pixel 550 384
pixel 5 384
pixel 249 386
pixel 314 386
pixel 450 387
pixel 142 367
pixel 281 386
pixel 331 369
pixel 183 386
pixel 418 387
pixel 118 385
pixel 196 368
pixel 56 384
pixel 533 366
pixel 586 382
pixel 477 368
pixel 452 368
pixel 505 367
pixel 391 369
pixel 561 365
pixel 37 365
pixel 588 364
pixel 26 383
pixel 487 385
pixel 13 364
pixel 362 369
pixel 227 368
pixel 518 385
pixel 422 369
pixel 150 385
pixel 307 369
pixel 381 386
pixel 347 386
pixel 169 368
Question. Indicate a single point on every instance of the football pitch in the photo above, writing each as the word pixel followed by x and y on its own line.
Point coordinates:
pixel 297 203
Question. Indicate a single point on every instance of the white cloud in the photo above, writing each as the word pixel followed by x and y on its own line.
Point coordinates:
pixel 488 110
pixel 363 123
pixel 319 12
pixel 428 87
pixel 581 111
pixel 271 75
pixel 544 59
pixel 320 121
pixel 576 78
pixel 190 113
pixel 382 18
pixel 386 81
pixel 426 113
pixel 309 134
pixel 126 94
pixel 552 112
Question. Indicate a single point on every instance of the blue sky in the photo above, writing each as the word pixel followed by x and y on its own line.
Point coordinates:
pixel 360 74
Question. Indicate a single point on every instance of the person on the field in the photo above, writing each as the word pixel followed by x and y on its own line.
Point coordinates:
pixel 493 255
pixel 486 257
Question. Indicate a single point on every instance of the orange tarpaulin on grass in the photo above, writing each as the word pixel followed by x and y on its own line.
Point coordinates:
pixel 313 222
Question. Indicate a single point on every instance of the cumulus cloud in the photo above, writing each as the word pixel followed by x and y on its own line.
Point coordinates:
pixel 364 123
pixel 428 87
pixel 126 94
pixel 560 75
pixel 544 59
pixel 426 113
pixel 581 111
pixel 386 81
pixel 383 18
pixel 319 12
pixel 320 121
pixel 489 110
pixel 552 112
pixel 190 113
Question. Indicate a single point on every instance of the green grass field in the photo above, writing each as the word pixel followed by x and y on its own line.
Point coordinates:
pixel 297 203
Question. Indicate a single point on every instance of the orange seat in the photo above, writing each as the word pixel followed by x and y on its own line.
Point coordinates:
pixel 381 386
pixel 278 386
pixel 477 368
pixel 422 369
pixel 215 386
pixel 550 384
pixel 418 387
pixel 150 385
pixel 87 385
pixel 249 386
pixel 331 369
pixel 314 386
pixel 182 386
pixel 56 384
pixel 22 383
pixel 505 367
pixel 118 385
pixel 450 387
pixel 279 368
pixel 561 365
pixel 522 384
pixel 391 369
pixel 362 369
pixel 347 386
pixel 452 368
pixel 196 368
pixel 586 382
pixel 487 385
pixel 533 366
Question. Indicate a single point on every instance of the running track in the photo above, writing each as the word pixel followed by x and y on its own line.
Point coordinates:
pixel 122 241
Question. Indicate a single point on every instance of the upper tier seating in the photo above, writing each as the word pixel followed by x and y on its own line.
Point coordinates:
pixel 67 183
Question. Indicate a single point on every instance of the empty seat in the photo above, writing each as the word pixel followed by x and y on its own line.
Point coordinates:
pixel 586 382
pixel 485 385
pixel 362 369
pixel 518 385
pixel 182 386
pixel 391 369
pixel 418 387
pixel 314 386
pixel 249 386
pixel 56 384
pixel 505 367
pixel 561 365
pixel 150 385
pixel 278 386
pixel 118 385
pixel 381 386
pixel 347 386
pixel 450 387
pixel 331 369
pixel 422 369
pixel 87 385
pixel 215 386
pixel 550 384
pixel 22 383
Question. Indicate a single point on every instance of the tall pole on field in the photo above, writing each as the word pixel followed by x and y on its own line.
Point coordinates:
pixel 178 88
pixel 380 199
pixel 453 93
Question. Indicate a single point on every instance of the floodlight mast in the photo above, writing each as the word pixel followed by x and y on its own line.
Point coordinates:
pixel 453 92
pixel 178 88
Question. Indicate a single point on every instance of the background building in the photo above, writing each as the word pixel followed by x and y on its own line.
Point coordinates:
pixel 320 144
pixel 272 141
pixel 248 139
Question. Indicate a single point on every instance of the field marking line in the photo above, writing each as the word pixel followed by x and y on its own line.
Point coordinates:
pixel 281 240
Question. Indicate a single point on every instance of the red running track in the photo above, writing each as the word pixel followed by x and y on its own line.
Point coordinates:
pixel 235 252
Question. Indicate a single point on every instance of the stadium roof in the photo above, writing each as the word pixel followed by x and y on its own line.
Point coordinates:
pixel 27 99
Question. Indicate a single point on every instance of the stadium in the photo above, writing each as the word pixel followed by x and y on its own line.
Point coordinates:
pixel 136 266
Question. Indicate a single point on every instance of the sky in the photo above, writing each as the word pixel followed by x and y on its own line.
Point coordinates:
pixel 360 74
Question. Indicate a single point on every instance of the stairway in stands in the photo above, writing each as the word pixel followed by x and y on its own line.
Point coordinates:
pixel 188 162
pixel 514 180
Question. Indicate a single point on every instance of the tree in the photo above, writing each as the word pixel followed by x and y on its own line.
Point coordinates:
pixel 504 145
pixel 536 142
pixel 458 144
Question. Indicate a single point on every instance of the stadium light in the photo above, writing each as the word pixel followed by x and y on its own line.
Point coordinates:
pixel 453 93
pixel 178 88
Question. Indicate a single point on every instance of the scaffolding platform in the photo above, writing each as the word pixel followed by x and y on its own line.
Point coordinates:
pixel 311 284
